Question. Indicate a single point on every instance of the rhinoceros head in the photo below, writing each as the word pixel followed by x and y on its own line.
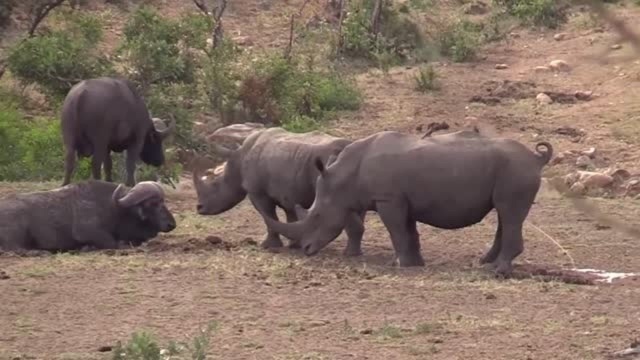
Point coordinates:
pixel 221 193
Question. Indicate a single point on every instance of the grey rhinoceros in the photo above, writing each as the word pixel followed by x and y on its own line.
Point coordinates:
pixel 274 167
pixel 448 181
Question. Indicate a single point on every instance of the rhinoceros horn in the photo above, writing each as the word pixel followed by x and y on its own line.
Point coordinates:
pixel 142 191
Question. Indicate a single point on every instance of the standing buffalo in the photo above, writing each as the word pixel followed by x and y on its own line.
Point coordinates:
pixel 93 213
pixel 275 168
pixel 107 114
pixel 448 181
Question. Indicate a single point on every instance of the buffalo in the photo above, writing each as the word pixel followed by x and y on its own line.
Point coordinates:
pixel 107 114
pixel 94 213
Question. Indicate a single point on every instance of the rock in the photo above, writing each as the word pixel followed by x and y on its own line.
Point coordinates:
pixel 619 175
pixel 583 161
pixel 560 36
pixel 544 99
pixel 591 153
pixel 3 275
pixel 616 47
pixel 542 69
pixel 583 95
pixel 591 179
pixel 476 8
pixel 502 66
pixel 558 159
pixel 559 65
pixel 577 188
pixel 213 240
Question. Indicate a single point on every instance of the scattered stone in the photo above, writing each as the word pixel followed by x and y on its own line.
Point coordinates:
pixel 316 323
pixel 577 188
pixel 560 36
pixel 542 68
pixel 490 296
pixel 544 99
pixel 502 66
pixel 568 131
pixel 559 65
pixel 591 153
pixel 583 161
pixel 476 8
pixel 583 95
pixel 366 331
pixel 4 275
pixel 105 348
pixel 592 179
pixel 213 240
pixel 616 47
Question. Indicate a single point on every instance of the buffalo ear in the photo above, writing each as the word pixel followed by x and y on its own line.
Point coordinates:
pixel 320 165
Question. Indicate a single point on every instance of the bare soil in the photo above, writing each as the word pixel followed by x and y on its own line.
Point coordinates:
pixel 283 305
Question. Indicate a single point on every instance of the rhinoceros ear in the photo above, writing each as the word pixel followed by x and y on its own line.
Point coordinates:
pixel 319 165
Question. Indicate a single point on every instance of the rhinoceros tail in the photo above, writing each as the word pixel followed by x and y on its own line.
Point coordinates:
pixel 544 154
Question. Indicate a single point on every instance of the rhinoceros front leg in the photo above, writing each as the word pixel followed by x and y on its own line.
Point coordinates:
pixel 354 229
pixel 267 206
pixel 403 232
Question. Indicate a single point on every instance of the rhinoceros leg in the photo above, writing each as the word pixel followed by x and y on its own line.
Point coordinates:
pixel 512 215
pixel 492 254
pixel 292 217
pixel 354 229
pixel 403 232
pixel 267 206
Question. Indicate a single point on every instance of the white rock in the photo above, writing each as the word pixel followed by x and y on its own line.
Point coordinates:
pixel 577 188
pixel 591 153
pixel 560 36
pixel 544 99
pixel 542 69
pixel 616 46
pixel 559 65
pixel 591 179
pixel 583 161
pixel 502 66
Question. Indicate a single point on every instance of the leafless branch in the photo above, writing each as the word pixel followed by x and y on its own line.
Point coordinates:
pixel 202 6
pixel 340 21
pixel 217 30
pixel 288 49
pixel 375 18
pixel 41 12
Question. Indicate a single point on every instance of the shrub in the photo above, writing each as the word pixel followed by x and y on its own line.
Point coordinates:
pixel 156 50
pixel 59 59
pixel 277 91
pixel 143 346
pixel 221 77
pixel 549 13
pixel 426 80
pixel 398 34
pixel 32 149
pixel 460 40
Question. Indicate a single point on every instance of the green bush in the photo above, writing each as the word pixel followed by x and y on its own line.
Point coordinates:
pixel 398 35
pixel 61 58
pixel 549 13
pixel 277 91
pixel 156 50
pixel 460 40
pixel 143 346
pixel 221 77
pixel 427 79
pixel 32 149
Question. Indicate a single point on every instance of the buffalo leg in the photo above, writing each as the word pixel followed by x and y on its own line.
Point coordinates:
pixel 96 164
pixel 89 235
pixel 354 229
pixel 268 207
pixel 130 164
pixel 492 254
pixel 108 166
pixel 403 232
pixel 292 217
pixel 69 165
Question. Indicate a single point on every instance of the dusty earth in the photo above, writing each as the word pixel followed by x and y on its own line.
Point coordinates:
pixel 283 305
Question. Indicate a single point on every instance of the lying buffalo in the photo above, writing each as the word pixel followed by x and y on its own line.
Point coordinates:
pixel 107 114
pixel 275 168
pixel 448 181
pixel 94 213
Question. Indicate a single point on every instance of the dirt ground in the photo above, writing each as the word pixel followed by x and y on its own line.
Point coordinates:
pixel 283 305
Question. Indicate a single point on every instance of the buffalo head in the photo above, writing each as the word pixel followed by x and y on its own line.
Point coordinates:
pixel 142 210
pixel 152 152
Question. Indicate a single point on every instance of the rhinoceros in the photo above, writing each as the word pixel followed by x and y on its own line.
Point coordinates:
pixel 274 167
pixel 447 181
pixel 91 213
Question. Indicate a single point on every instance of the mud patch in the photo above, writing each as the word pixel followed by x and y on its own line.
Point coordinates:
pixel 494 91
pixel 553 274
